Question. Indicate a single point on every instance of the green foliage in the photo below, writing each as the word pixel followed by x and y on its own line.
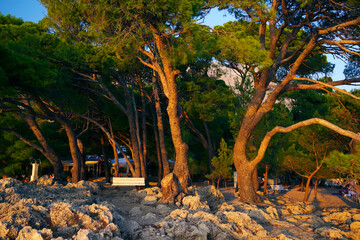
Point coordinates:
pixel 345 164
pixel 237 42
pixel 222 163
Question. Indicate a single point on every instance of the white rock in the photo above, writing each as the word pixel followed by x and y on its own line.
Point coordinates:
pixel 27 233
pixel 355 226
pixel 337 217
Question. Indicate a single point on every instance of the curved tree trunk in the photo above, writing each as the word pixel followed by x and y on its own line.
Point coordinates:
pixel 47 149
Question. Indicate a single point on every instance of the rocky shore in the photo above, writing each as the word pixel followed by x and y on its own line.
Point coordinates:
pixel 86 210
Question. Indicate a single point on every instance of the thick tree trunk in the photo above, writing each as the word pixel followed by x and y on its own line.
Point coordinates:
pixel 181 169
pixel 246 191
pixel 167 77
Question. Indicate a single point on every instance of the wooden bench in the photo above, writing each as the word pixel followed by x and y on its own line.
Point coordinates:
pixel 128 181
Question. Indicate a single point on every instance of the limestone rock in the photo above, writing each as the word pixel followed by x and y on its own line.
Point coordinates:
pixel 248 226
pixel 283 237
pixel 85 234
pixel 331 233
pixel 4 230
pixel 356 217
pixel 135 211
pixel 178 214
pixel 226 207
pixel 62 215
pixel 193 202
pixel 355 226
pixel 201 216
pixel 163 209
pixel 28 233
pixel 45 180
pixel 337 217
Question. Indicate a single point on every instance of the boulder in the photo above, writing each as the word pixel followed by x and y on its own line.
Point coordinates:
pixel 331 233
pixel 163 209
pixel 28 233
pixel 355 226
pixel 45 180
pixel 193 202
pixel 338 217
pixel 356 217
pixel 249 228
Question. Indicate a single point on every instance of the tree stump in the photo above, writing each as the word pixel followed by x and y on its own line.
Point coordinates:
pixel 171 188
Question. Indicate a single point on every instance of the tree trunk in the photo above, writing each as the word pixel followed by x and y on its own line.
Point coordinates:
pixel 307 189
pixel 138 139
pixel 181 169
pixel 210 147
pixel 246 192
pixel 144 132
pixel 116 159
pixel 316 187
pixel 255 179
pixel 157 144
pixel 134 140
pixel 83 170
pixel 48 151
pixel 160 126
pixel 74 150
pixel 106 162
pixel 167 77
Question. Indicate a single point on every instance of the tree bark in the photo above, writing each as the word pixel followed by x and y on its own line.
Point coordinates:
pixel 167 77
pixel 246 192
pixel 144 132
pixel 47 150
pixel 157 144
pixel 316 187
pixel 160 126
pixel 83 170
pixel 75 153
pixel 105 160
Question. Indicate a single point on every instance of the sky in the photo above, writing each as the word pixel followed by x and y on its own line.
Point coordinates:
pixel 32 10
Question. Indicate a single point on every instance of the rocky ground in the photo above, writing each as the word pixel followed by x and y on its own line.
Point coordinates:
pixel 88 210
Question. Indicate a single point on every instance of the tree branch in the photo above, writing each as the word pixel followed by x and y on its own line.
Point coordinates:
pixel 312 121
pixel 322 85
pixel 28 142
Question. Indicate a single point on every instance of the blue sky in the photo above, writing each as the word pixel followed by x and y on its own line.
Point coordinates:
pixel 28 10
pixel 32 10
